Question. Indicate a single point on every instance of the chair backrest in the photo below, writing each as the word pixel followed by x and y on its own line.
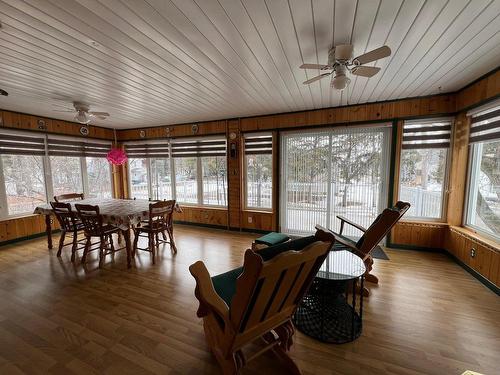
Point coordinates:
pixel 69 197
pixel 91 218
pixel 65 215
pixel 160 213
pixel 381 226
pixel 268 292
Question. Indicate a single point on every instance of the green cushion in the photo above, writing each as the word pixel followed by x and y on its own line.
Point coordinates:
pixel 272 238
pixel 225 284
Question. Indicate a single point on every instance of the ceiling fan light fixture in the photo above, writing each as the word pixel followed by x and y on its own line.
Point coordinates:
pixel 82 117
pixel 340 81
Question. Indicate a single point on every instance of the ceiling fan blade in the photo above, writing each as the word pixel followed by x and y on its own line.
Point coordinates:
pixel 316 78
pixel 104 114
pixel 315 66
pixel 376 54
pixel 365 71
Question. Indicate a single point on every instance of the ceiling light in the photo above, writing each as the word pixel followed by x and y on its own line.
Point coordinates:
pixel 82 117
pixel 340 81
pixel 4 93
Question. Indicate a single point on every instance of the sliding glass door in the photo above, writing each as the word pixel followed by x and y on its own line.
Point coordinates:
pixel 330 172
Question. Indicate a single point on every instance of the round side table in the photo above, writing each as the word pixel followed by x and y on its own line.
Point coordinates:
pixel 332 310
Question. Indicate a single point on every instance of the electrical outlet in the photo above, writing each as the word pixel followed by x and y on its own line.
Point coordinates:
pixel 250 219
pixel 472 253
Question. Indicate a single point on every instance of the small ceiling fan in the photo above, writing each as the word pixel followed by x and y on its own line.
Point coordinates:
pixel 83 115
pixel 340 62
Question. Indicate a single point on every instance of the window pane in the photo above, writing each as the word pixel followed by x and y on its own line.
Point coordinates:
pixel 214 180
pixel 259 184
pixel 99 178
pixel 186 186
pixel 66 174
pixel 138 175
pixel 24 183
pixel 422 178
pixel 484 194
pixel 160 178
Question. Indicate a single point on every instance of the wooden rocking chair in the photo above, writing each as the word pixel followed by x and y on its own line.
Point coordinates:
pixel 371 237
pixel 255 302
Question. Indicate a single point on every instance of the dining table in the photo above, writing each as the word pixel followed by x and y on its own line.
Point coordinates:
pixel 124 214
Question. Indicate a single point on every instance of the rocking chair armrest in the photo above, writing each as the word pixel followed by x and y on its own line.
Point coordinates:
pixel 346 220
pixel 206 294
pixel 347 243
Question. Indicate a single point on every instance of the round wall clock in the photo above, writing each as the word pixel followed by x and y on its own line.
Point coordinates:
pixel 232 135
pixel 194 128
pixel 84 130
pixel 142 134
pixel 41 124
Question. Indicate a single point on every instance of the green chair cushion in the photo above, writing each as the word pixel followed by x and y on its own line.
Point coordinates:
pixel 225 283
pixel 272 238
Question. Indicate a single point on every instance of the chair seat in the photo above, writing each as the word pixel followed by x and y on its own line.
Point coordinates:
pixel 272 238
pixel 153 228
pixel 225 284
pixel 106 229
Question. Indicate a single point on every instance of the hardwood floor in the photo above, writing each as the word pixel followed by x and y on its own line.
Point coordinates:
pixel 428 316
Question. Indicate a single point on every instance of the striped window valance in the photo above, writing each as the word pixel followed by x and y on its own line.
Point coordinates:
pixel 485 126
pixel 21 144
pixel 71 147
pixel 198 147
pixel 426 134
pixel 148 150
pixel 258 144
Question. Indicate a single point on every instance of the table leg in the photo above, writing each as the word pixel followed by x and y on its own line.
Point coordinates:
pixel 128 246
pixel 48 229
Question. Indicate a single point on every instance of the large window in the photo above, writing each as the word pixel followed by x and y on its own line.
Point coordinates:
pixel 186 181
pixel 161 183
pixel 34 168
pixel 192 171
pixel 66 174
pixel 24 182
pixel 259 171
pixel 214 180
pixel 99 178
pixel 330 172
pixel 423 167
pixel 483 203
pixel 138 178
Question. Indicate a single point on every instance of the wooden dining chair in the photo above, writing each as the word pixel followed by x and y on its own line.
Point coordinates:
pixel 255 302
pixel 70 224
pixel 371 237
pixel 92 221
pixel 69 197
pixel 159 221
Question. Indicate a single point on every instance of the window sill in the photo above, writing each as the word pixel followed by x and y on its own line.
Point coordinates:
pixel 256 211
pixel 439 222
pixel 187 206
pixel 15 217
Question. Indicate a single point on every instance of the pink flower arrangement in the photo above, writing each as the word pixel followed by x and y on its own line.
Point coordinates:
pixel 117 156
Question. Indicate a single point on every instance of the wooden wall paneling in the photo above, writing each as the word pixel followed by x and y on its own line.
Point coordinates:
pixel 486 261
pixel 179 130
pixel 234 167
pixel 478 92
pixel 419 234
pixel 458 170
pixel 259 220
pixel 202 215
pixel 23 121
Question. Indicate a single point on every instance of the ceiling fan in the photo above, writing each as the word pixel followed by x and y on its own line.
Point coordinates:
pixel 340 62
pixel 83 115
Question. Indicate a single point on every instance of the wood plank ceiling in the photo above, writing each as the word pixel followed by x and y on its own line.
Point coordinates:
pixel 156 62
